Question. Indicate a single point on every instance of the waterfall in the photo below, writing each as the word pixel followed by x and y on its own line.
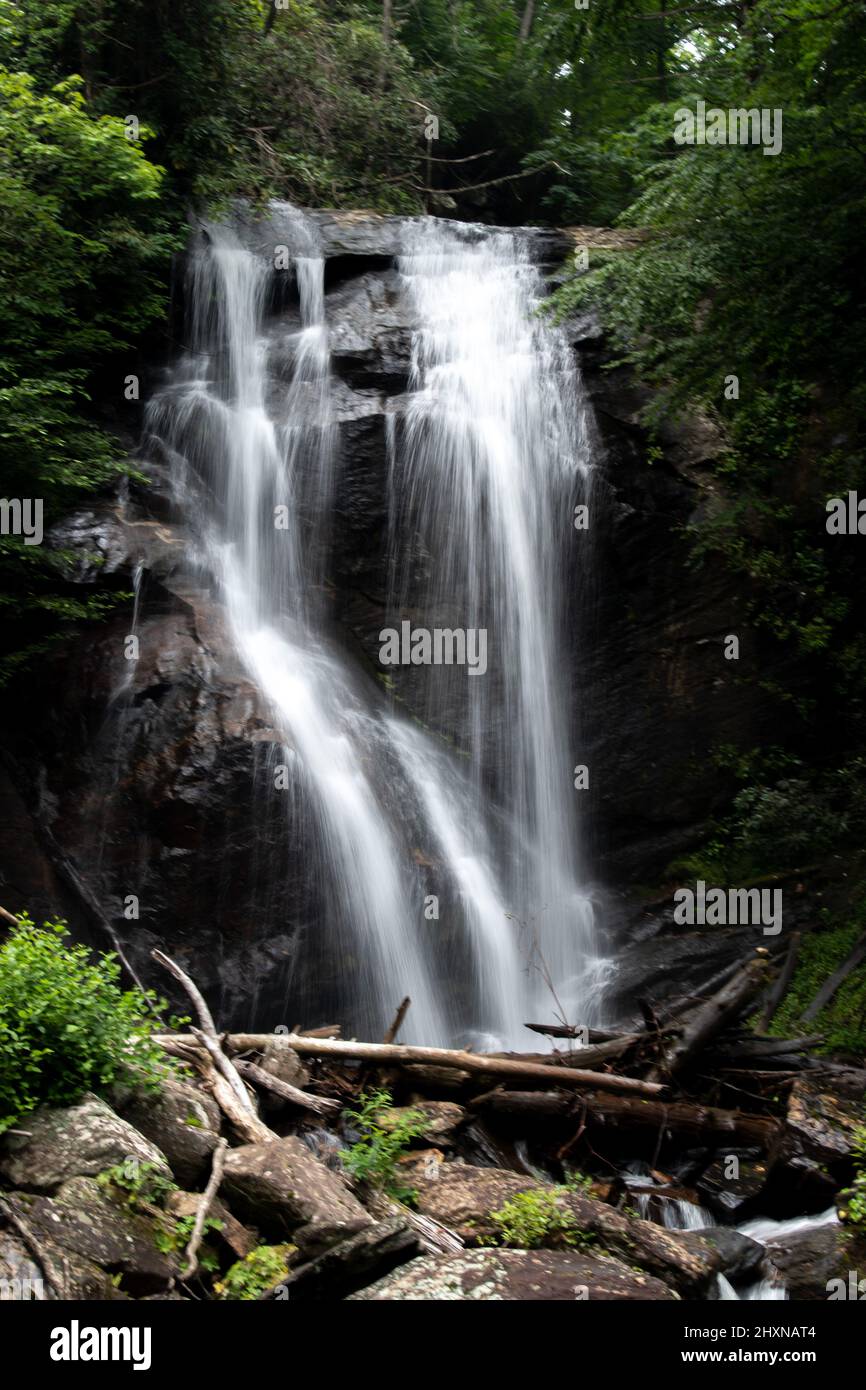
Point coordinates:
pixel 487 462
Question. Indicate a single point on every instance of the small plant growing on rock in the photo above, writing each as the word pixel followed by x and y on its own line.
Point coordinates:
pixel 174 1237
pixel 576 1181
pixel 372 1161
pixel 534 1219
pixel 854 1211
pixel 66 1026
pixel 257 1272
pixel 142 1185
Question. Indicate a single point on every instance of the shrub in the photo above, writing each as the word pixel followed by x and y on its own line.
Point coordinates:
pixel 842 1022
pixel 854 1211
pixel 373 1159
pixel 66 1026
pixel 141 1185
pixel 174 1237
pixel 257 1272
pixel 534 1218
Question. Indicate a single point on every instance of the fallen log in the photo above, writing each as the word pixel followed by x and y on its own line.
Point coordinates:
pixel 684 1003
pixel 681 1119
pixel 399 1054
pixel 571 1030
pixel 245 1122
pixel 830 986
pixel 219 1073
pixel 749 1048
pixel 204 1206
pixel 319 1105
pixel 592 1056
pixel 777 993
pixel 710 1017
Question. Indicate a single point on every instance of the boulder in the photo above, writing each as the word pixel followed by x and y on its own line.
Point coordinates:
pixel 463 1198
pixel 282 1188
pixel 524 1276
pixel 20 1279
pixel 283 1063
pixel 813 1156
pixel 740 1255
pixel 183 1122
pixel 822 1123
pixel 371 333
pixel 352 1263
pixel 728 1195
pixel 807 1260
pixel 442 1120
pixel 54 1144
pixel 84 1221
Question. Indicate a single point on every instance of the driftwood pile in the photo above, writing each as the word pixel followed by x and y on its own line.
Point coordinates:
pixel 693 1074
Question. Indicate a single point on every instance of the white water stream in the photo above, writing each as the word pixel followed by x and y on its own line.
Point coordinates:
pixel 679 1214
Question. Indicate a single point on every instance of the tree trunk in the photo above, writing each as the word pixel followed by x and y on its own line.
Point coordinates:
pixel 391 1054
pixel 526 22
pixel 703 1022
pixel 701 1123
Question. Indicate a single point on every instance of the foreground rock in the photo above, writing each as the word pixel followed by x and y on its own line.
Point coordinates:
pixel 83 1221
pixel 352 1263
pixel 236 1238
pixel 182 1122
pixel 817 1263
pixel 281 1188
pixel 73 1141
pixel 442 1119
pixel 741 1256
pixel 20 1278
pixel 463 1198
pixel 78 1278
pixel 516 1276
pixel 814 1155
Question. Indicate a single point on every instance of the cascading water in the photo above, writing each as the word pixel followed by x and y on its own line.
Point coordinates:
pixel 490 455
pixel 487 469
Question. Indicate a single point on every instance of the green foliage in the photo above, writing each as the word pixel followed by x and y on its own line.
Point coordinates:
pixel 787 820
pixel 854 1211
pixel 66 1026
pixel 83 250
pixel 140 1184
pixel 173 1237
pixel 577 1182
pixel 535 1219
pixel 842 1022
pixel 751 268
pixel 257 1272
pixel 373 1159
pixel 142 1187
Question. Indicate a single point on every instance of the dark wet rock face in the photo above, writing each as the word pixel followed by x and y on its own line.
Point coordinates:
pixel 818 1264
pixel 146 787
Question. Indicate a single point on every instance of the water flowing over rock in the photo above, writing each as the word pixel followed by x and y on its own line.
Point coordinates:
pixel 403 447
pixel 426 437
